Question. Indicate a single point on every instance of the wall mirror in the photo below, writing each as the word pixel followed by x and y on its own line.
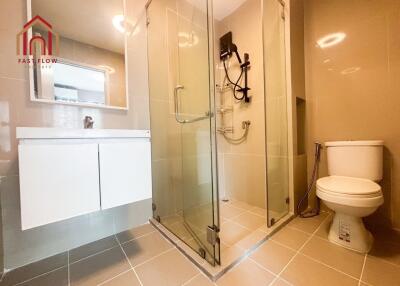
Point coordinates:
pixel 88 42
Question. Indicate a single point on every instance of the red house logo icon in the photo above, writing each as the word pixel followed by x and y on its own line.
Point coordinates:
pixel 29 47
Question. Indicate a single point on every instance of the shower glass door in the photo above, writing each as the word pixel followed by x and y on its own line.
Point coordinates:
pixel 184 187
pixel 276 109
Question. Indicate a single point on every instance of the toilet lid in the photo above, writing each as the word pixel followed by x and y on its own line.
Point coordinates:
pixel 348 185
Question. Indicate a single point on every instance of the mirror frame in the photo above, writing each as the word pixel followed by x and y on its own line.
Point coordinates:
pixel 32 96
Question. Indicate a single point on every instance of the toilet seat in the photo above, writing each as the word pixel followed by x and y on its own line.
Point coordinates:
pixel 350 191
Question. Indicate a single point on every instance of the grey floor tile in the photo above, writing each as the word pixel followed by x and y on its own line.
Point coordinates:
pixel 55 278
pixel 144 248
pixel 98 268
pixel 127 279
pixel 35 269
pixel 92 248
pixel 135 232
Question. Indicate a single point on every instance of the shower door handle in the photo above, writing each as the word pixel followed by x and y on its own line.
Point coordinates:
pixel 177 112
pixel 176 103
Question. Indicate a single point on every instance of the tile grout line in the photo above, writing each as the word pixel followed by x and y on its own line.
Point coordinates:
pixel 320 262
pixel 40 275
pixel 115 246
pixel 140 236
pixel 94 254
pixel 331 267
pixel 314 259
pixel 385 261
pixel 129 262
pixel 298 251
pixel 205 276
pixel 262 267
pixel 191 279
pixel 362 269
pixel 249 229
pixel 112 278
pixel 154 257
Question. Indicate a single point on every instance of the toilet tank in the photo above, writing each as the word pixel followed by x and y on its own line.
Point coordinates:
pixel 360 159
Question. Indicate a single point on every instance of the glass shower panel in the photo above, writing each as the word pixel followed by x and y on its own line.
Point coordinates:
pixel 180 99
pixel 276 111
pixel 194 100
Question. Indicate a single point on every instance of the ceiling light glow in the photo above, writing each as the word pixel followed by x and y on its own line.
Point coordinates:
pixel 187 40
pixel 118 23
pixel 350 70
pixel 109 69
pixel 331 40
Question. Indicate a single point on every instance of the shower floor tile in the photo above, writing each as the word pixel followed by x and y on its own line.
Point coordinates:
pixel 242 228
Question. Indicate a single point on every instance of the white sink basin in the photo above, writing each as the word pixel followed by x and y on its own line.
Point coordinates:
pixel 65 133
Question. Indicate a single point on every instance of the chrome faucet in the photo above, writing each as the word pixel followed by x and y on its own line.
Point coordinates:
pixel 88 122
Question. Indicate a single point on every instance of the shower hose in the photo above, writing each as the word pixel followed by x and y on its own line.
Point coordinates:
pixel 315 211
pixel 245 126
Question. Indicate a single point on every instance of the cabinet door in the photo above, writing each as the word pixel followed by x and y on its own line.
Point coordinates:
pixel 125 172
pixel 57 182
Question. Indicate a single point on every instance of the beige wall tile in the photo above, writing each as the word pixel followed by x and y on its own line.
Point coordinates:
pixel 247 42
pixel 352 87
pixel 246 181
pixel 16 109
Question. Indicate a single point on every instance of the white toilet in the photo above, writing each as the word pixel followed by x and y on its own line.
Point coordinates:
pixel 351 190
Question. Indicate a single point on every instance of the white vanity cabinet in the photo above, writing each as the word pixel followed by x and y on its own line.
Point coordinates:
pixel 66 173
pixel 57 181
pixel 125 172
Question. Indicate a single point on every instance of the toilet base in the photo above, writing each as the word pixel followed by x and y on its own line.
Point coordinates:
pixel 350 232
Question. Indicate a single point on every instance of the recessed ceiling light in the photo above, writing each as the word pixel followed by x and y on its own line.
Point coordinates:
pixel 118 22
pixel 331 40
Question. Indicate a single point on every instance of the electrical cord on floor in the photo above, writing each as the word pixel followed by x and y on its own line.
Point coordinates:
pixel 313 212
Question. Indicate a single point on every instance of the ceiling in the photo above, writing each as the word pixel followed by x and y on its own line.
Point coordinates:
pixel 223 8
pixel 88 21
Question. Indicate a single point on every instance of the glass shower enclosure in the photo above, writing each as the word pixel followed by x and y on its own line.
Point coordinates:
pixel 181 50
pixel 182 123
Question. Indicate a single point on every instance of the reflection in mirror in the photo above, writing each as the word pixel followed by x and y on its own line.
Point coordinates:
pixel 90 67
